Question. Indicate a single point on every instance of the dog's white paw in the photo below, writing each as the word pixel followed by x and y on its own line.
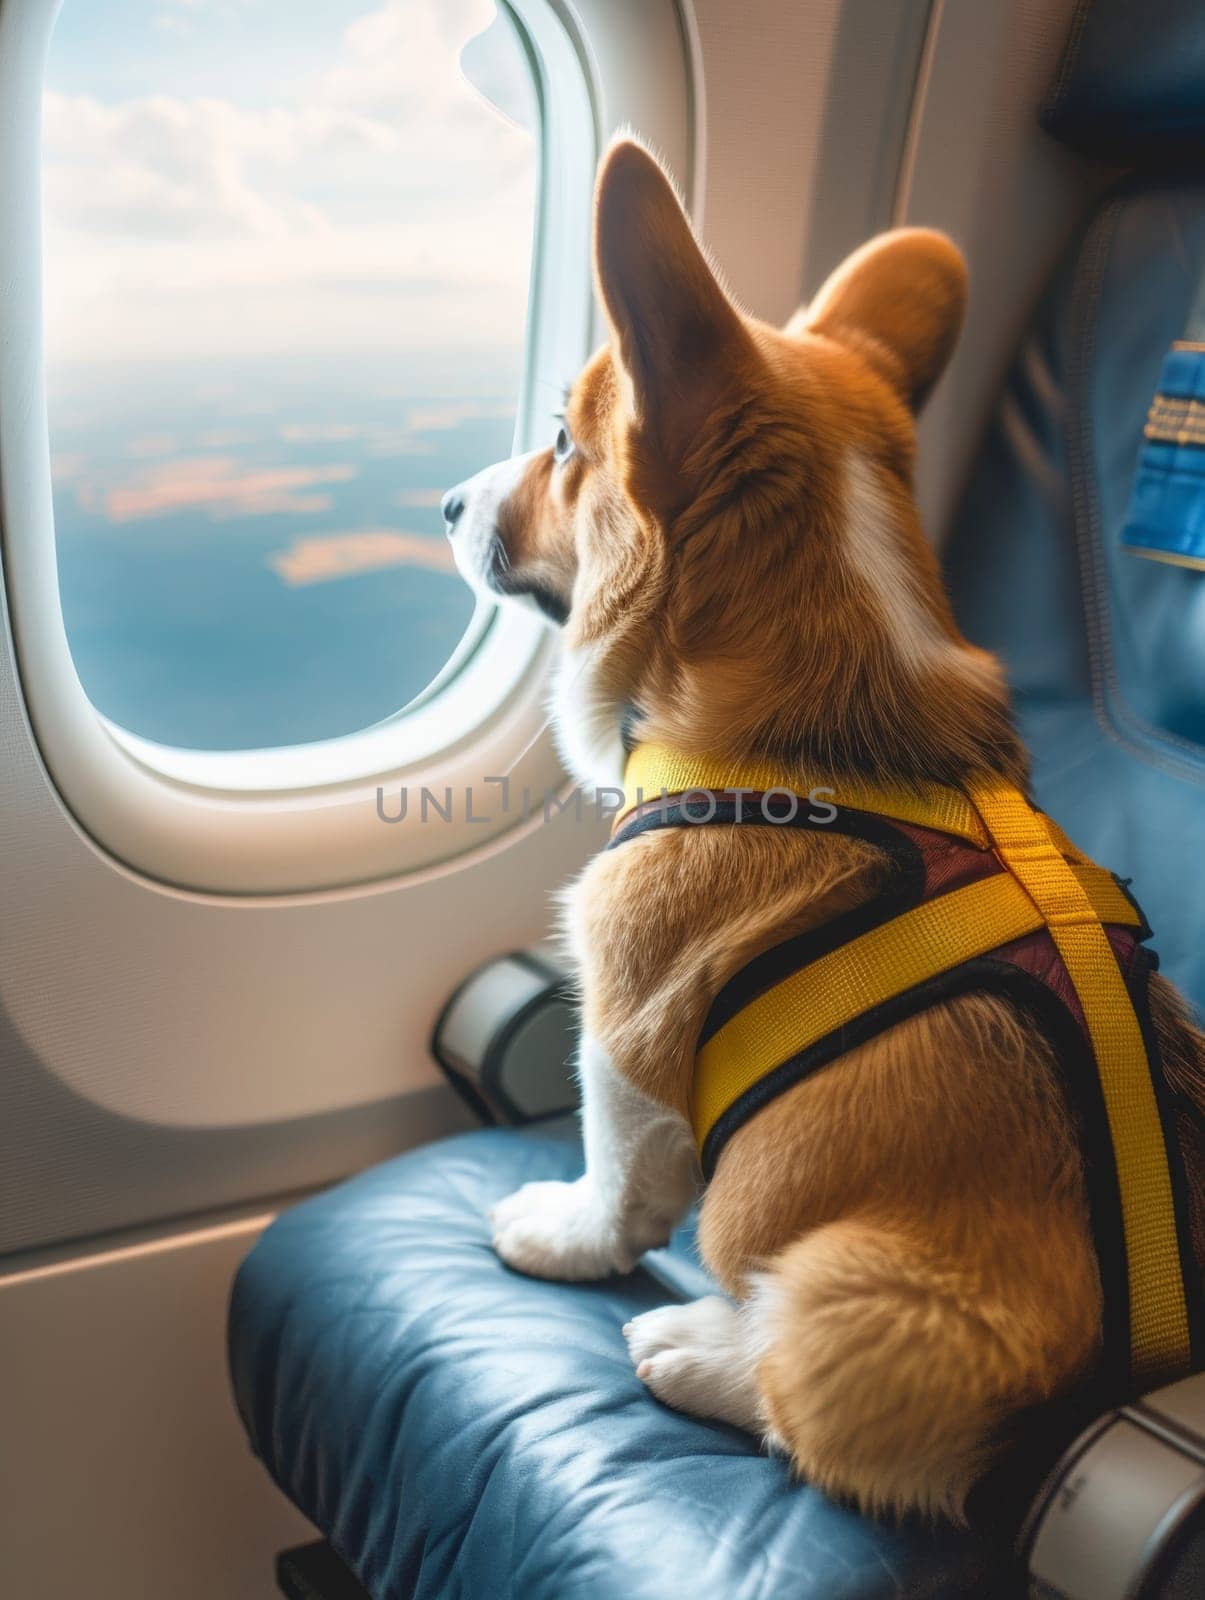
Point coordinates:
pixel 558 1230
pixel 699 1358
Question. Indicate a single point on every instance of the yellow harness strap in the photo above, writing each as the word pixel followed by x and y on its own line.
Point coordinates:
pixel 653 771
pixel 1046 883
pixel 1159 1339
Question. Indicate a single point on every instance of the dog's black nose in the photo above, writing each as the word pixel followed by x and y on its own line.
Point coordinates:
pixel 452 506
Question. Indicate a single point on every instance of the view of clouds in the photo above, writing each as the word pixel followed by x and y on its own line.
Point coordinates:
pixel 335 555
pixel 376 199
pixel 287 252
pixel 217 482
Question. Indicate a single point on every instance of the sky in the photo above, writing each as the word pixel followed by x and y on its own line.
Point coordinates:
pixel 257 177
pixel 287 248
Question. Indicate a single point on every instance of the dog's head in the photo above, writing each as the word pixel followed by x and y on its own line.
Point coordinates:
pixel 727 508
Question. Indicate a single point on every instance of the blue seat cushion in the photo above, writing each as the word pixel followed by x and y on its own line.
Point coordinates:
pixel 455 1429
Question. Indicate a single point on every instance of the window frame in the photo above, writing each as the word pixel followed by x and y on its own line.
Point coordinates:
pixel 306 818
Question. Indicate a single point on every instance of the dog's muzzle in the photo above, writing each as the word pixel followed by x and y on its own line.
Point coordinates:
pixel 471 513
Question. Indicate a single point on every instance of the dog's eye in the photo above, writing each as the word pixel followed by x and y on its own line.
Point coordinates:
pixel 563 448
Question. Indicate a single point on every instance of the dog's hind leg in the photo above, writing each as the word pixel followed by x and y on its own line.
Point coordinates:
pixel 888 1370
pixel 701 1358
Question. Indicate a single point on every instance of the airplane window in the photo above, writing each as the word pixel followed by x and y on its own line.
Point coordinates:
pixel 287 256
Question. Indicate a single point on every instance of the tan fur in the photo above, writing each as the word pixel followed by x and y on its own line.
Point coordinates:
pixel 913 1219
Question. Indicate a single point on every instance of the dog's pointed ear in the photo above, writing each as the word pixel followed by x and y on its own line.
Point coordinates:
pixel 674 329
pixel 899 301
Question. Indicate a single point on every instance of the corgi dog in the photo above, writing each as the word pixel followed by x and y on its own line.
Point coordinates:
pixel 726 534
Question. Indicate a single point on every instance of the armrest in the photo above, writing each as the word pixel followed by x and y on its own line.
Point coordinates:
pixel 507 1039
pixel 1122 1516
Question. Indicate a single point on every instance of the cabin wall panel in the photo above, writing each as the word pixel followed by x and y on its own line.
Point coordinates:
pixel 125 1469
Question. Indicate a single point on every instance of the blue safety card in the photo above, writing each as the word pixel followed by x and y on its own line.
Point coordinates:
pixel 1166 515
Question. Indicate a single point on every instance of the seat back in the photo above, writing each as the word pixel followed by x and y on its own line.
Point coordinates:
pixel 1105 650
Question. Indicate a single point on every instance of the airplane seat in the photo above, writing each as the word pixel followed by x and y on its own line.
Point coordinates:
pixel 1105 648
pixel 453 1428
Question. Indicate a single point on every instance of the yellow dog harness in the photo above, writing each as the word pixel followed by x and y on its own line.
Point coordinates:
pixel 987 893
